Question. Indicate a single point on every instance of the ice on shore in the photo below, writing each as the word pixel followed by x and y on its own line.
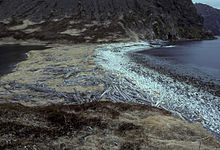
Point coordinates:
pixel 178 97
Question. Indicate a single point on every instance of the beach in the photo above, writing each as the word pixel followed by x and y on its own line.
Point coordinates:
pixel 182 99
pixel 72 74
pixel 50 70
pixel 81 81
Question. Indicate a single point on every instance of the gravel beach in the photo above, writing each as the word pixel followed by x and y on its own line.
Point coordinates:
pixel 183 99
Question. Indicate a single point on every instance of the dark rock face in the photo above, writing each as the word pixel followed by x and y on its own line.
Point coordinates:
pixel 147 19
pixel 211 17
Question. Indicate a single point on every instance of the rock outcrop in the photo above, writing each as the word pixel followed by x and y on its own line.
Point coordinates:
pixel 101 20
pixel 211 17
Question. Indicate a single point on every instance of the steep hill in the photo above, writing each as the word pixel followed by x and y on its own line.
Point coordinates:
pixel 93 21
pixel 211 17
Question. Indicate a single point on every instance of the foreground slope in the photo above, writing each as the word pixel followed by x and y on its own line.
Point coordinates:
pixel 98 125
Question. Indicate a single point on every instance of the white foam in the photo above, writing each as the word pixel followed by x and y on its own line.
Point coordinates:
pixel 197 106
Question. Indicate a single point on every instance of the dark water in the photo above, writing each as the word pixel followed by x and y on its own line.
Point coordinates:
pixel 202 57
pixel 10 55
pixel 196 63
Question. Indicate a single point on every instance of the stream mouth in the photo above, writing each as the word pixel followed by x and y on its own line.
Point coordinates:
pixel 10 55
pixel 182 95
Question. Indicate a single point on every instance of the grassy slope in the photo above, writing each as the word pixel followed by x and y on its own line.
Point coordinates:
pixel 98 125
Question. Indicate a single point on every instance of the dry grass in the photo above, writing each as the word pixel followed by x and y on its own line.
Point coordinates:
pixel 98 125
pixel 32 71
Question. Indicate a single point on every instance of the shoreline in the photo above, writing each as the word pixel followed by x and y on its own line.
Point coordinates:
pixel 80 73
pixel 180 72
pixel 164 91
pixel 17 54
pixel 46 77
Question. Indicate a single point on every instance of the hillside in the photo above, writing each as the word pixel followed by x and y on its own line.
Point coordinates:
pixel 98 125
pixel 101 20
pixel 211 17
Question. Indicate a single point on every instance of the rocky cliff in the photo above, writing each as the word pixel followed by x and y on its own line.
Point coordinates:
pixel 101 20
pixel 211 17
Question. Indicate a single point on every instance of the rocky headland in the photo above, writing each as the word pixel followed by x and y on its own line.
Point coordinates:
pixel 62 98
pixel 211 17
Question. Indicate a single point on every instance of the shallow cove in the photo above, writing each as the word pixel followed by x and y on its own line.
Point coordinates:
pixel 10 55
pixel 202 55
pixel 194 62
